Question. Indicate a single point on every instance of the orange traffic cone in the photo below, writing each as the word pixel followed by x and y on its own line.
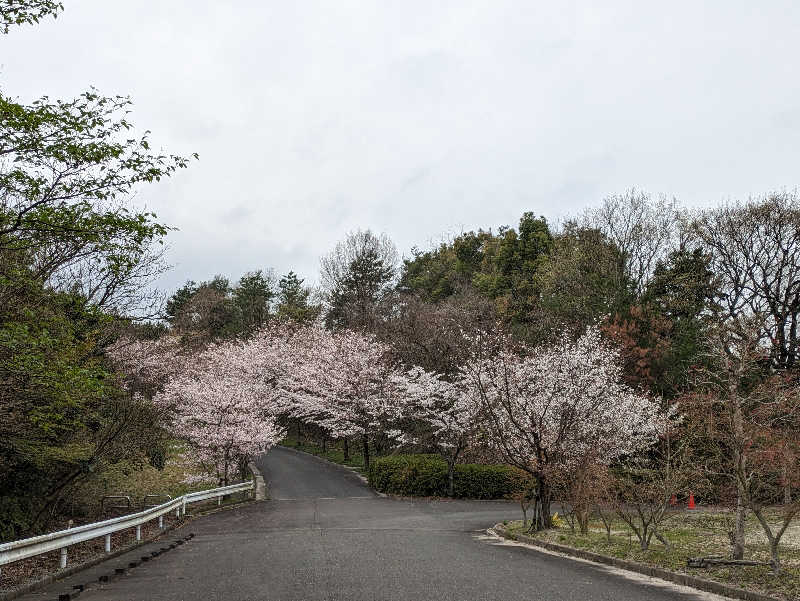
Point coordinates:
pixel 691 501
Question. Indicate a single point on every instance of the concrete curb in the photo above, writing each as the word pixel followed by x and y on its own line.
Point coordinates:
pixel 51 578
pixel 260 483
pixel 90 563
pixel 701 584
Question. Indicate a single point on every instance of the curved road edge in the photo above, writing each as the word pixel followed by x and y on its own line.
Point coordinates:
pixel 624 565
pixel 260 485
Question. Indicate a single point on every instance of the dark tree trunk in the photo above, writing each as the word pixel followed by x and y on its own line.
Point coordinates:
pixel 787 485
pixel 365 443
pixel 582 515
pixel 451 488
pixel 544 495
pixel 346 450
pixel 775 560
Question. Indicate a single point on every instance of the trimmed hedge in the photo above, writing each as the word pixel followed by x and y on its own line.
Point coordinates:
pixel 426 476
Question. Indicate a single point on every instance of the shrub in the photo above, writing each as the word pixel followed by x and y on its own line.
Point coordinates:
pixel 426 476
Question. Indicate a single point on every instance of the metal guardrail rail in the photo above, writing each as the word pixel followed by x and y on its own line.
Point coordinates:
pixel 61 540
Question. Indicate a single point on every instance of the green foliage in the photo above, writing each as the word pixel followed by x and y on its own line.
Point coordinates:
pixel 214 309
pixel 426 476
pixel 682 292
pixel 251 300
pixel 502 267
pixel 293 300
pixel 358 280
pixel 68 167
pixel 439 273
pixel 56 397
pixel 73 257
pixel 177 303
pixel 582 279
pixel 26 12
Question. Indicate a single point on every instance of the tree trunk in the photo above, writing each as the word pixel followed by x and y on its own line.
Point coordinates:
pixel 787 486
pixel 664 540
pixel 346 450
pixel 544 495
pixel 451 468
pixel 536 517
pixel 739 466
pixel 365 443
pixel 775 561
pixel 583 520
pixel 738 530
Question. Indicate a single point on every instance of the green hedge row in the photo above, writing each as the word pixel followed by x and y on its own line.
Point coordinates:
pixel 426 476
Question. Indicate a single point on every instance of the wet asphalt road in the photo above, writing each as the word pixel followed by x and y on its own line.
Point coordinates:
pixel 326 536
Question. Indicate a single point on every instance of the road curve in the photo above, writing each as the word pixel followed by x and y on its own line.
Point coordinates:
pixel 292 474
pixel 335 540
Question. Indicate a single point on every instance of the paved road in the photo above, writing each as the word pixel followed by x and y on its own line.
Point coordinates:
pixel 294 475
pixel 326 536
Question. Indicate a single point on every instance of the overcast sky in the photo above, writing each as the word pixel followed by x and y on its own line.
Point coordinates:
pixel 422 118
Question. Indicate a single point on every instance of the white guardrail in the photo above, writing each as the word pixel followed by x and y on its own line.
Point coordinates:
pixel 45 543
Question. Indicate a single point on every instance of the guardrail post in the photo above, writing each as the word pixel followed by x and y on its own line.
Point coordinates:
pixel 219 500
pixel 62 540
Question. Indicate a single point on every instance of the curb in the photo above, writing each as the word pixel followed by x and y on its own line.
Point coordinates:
pixel 443 499
pixel 90 563
pixel 701 584
pixel 260 485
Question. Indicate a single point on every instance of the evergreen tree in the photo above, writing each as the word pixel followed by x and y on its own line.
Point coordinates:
pixel 293 299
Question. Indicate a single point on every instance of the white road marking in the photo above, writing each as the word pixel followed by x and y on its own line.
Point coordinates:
pixel 493 538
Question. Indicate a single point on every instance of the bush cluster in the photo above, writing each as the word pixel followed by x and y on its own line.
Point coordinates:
pixel 426 476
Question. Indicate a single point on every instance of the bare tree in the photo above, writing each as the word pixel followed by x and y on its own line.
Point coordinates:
pixel 755 250
pixel 643 485
pixel 357 279
pixel 643 228
pixel 751 414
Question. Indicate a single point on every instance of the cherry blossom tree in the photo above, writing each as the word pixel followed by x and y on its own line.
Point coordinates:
pixel 146 365
pixel 343 382
pixel 551 406
pixel 226 403
pixel 450 408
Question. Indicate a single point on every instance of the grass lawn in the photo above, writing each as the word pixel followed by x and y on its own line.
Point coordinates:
pixel 693 534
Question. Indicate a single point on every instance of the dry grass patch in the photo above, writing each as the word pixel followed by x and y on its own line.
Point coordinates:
pixel 692 534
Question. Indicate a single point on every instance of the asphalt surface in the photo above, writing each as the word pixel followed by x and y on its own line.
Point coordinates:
pixel 326 536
